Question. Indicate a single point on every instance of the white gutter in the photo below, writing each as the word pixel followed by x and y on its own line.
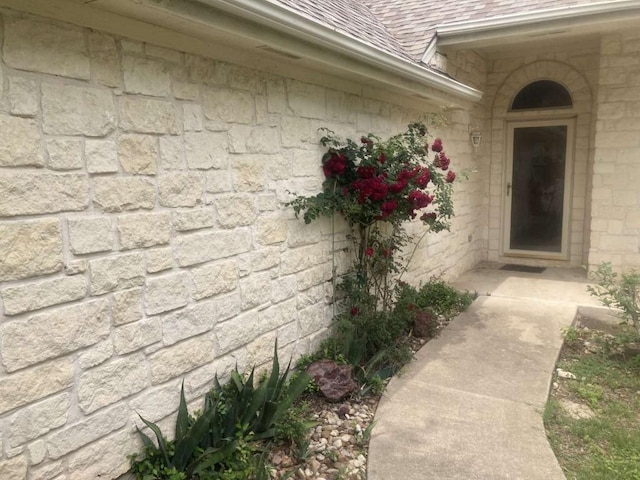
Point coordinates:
pixel 293 23
pixel 540 21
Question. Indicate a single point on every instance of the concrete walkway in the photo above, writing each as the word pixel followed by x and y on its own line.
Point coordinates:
pixel 470 406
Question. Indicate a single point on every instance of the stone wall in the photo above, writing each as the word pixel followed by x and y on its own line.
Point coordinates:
pixel 615 228
pixel 144 238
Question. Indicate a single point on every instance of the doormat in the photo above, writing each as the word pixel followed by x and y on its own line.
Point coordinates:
pixel 522 268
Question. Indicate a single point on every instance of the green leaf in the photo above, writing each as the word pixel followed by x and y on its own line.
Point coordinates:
pixel 182 421
pixel 192 437
pixel 162 445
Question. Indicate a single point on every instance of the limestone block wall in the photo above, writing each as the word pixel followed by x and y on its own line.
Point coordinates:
pixel 615 228
pixel 143 234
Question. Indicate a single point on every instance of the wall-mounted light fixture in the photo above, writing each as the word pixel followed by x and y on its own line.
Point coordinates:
pixel 476 137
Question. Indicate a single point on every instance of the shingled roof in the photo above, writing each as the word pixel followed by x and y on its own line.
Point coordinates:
pixel 406 27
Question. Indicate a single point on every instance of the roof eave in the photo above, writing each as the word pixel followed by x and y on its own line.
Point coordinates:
pixel 292 23
pixel 535 23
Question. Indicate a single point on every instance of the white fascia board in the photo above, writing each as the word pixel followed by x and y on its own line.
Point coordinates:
pixel 293 23
pixel 540 21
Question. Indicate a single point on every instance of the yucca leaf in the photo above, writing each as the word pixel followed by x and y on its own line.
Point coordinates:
pixel 162 445
pixel 182 421
pixel 188 444
pixel 146 441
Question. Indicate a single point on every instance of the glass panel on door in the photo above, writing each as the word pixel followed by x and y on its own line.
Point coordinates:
pixel 537 188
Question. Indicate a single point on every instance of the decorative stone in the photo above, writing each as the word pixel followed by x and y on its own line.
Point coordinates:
pixel 14 468
pixel 180 189
pixel 40 381
pixel 76 110
pixel 96 354
pixel 127 306
pixel 146 115
pixel 134 336
pixel 192 117
pixel 138 154
pixel 105 67
pixel 425 324
pixel 232 106
pixel 193 219
pixel 34 296
pixel 204 247
pixel 306 100
pixel 117 194
pixel 30 248
pixel 159 259
pixel 167 293
pixel 174 361
pixel 56 193
pixel 236 210
pixel 206 150
pixel 219 181
pixel 564 374
pixel 90 234
pixel 64 154
pixel 270 231
pixel 335 381
pixel 112 381
pixel 210 280
pixel 35 420
pixel 118 272
pixel 255 290
pixel 249 172
pixel 105 458
pixel 145 76
pixel 172 153
pixel 51 334
pixel 202 317
pixel 40 46
pixel 101 156
pixel 143 230
pixel 94 427
pixel 24 99
pixel 19 143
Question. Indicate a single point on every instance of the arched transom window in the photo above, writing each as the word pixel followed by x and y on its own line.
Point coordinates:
pixel 542 94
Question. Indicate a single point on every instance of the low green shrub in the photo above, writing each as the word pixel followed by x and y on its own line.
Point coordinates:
pixel 220 443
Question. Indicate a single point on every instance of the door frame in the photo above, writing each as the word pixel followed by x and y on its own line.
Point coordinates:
pixel 570 123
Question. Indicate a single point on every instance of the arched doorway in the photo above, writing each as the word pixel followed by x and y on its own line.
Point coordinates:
pixel 538 174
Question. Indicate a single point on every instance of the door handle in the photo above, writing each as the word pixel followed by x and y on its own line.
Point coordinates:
pixel 508 188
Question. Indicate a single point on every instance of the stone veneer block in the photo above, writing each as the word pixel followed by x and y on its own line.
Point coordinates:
pixel 183 357
pixel 56 193
pixel 117 194
pixel 134 336
pixel 167 293
pixel 101 156
pixel 210 280
pixel 15 467
pixel 27 386
pixel 64 154
pixel 43 47
pixel 227 105
pixel 146 115
pixel 143 230
pixel 116 273
pixel 105 67
pixel 24 99
pixel 77 110
pixel 34 296
pixel 38 419
pixel 145 76
pixel 180 189
pixel 172 153
pixel 138 154
pixel 112 381
pixel 90 234
pixel 30 248
pixel 198 319
pixel 205 150
pixel 127 306
pixel 54 333
pixel 203 247
pixel 236 210
pixel 105 458
pixel 19 143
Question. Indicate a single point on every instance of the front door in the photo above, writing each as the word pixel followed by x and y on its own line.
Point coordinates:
pixel 538 189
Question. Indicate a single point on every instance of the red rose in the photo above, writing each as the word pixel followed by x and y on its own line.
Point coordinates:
pixel 437 145
pixel 424 178
pixel 354 311
pixel 366 172
pixel 389 207
pixel 368 251
pixel 397 187
pixel 451 176
pixel 335 165
pixel 443 162
pixel 419 200
pixel 382 158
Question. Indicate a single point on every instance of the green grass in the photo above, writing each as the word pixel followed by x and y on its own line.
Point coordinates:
pixel 606 446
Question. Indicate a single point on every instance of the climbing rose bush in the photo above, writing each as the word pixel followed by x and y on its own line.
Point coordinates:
pixel 378 186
